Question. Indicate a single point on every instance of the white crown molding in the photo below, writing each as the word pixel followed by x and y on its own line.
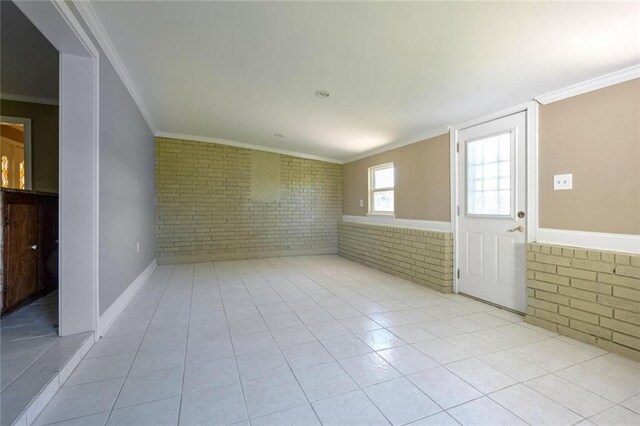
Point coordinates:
pixel 29 99
pixel 390 220
pixel 627 243
pixel 196 138
pixel 591 85
pixel 93 22
pixel 393 145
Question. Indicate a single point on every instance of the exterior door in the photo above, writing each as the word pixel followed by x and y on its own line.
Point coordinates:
pixel 21 253
pixel 492 195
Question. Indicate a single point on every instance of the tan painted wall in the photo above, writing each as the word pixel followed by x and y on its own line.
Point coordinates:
pixel 44 140
pixel 219 202
pixel 595 136
pixel 422 180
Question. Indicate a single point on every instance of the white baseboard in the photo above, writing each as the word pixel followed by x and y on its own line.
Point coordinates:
pixel 388 220
pixel 626 243
pixel 111 314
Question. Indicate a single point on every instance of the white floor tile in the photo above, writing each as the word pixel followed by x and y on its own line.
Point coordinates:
pixel 444 387
pixel 222 405
pixel 150 386
pixel 210 374
pixel 480 375
pixel 271 394
pixel 299 416
pixel 157 413
pixel 345 346
pixel 324 380
pixel 533 407
pixel 573 397
pixel 261 364
pixel 483 411
pixel 440 419
pixel 407 359
pixel 353 408
pixel 400 401
pixel 306 355
pixel 81 400
pixel 369 369
pixel 616 416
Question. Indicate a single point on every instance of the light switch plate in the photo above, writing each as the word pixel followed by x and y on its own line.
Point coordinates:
pixel 563 182
pixel 361 203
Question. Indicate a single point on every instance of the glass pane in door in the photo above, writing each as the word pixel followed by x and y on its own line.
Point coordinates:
pixel 489 174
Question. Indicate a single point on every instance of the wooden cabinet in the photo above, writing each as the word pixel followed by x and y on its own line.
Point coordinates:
pixel 29 246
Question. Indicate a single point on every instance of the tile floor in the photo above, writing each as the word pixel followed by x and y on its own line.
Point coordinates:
pixel 322 340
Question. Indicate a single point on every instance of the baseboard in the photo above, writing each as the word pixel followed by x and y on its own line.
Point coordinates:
pixel 594 240
pixel 176 260
pixel 111 314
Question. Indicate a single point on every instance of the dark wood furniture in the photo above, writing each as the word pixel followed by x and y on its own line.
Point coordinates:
pixel 29 246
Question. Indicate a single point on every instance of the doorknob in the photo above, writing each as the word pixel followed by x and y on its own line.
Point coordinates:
pixel 518 228
pixel 34 247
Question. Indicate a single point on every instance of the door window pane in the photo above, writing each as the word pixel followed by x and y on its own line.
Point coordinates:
pixel 489 176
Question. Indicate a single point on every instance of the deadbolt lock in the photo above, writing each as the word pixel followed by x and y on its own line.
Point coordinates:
pixel 520 215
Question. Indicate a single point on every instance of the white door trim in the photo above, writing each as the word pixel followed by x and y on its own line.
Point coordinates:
pixel 531 108
pixel 79 123
pixel 26 141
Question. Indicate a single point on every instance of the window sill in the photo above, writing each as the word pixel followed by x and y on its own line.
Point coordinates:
pixel 390 215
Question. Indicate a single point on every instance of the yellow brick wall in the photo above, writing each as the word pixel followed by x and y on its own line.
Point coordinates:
pixel 206 209
pixel 590 295
pixel 424 257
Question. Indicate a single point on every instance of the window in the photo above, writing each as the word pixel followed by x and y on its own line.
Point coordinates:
pixel 381 184
pixel 490 176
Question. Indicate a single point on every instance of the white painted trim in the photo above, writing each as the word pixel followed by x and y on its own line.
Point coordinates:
pixel 27 143
pixel 35 407
pixel 590 85
pixel 93 22
pixel 111 314
pixel 531 108
pixel 626 243
pixel 389 220
pixel 29 99
pixel 394 145
pixel 227 142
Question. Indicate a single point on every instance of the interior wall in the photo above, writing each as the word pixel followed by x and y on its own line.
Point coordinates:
pixel 596 137
pixel 127 185
pixel 29 61
pixel 422 189
pixel 44 140
pixel 222 202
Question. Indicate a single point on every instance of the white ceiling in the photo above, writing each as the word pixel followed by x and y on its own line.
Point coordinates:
pixel 243 71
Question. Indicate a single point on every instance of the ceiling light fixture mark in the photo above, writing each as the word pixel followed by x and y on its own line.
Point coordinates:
pixel 322 93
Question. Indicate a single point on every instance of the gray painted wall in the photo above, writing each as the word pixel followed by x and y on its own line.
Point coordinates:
pixel 127 186
pixel 26 56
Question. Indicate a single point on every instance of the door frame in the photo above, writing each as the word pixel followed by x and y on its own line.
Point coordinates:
pixel 78 146
pixel 26 141
pixel 531 110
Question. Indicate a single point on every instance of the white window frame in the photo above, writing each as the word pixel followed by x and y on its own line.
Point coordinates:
pixel 372 191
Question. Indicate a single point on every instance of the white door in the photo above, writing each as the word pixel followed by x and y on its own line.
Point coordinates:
pixel 492 200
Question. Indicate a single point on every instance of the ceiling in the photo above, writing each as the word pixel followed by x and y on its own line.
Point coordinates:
pixel 29 61
pixel 243 71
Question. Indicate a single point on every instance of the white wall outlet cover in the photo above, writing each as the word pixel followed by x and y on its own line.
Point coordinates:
pixel 563 182
pixel 361 203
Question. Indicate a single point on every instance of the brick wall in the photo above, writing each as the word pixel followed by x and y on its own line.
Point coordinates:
pixel 210 204
pixel 424 257
pixel 590 295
